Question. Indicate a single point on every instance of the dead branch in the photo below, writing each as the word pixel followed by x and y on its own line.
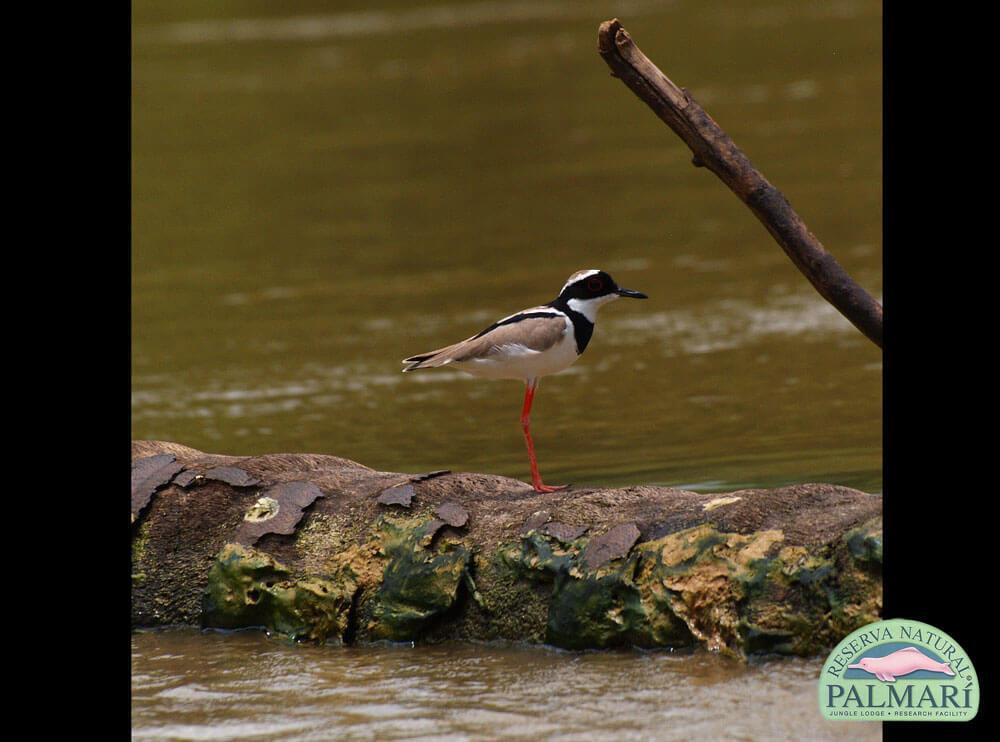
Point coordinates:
pixel 714 150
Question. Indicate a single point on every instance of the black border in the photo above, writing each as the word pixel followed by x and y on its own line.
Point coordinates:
pixel 937 377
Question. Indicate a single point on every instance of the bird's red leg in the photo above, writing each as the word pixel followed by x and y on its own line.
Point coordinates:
pixel 536 478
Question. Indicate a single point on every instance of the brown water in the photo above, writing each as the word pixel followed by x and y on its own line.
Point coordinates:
pixel 320 190
pixel 193 686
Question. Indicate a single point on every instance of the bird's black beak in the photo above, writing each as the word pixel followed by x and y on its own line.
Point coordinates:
pixel 632 294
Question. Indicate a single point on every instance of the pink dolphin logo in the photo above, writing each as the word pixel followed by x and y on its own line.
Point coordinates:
pixel 900 662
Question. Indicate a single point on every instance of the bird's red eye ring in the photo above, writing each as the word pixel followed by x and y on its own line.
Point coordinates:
pixel 595 284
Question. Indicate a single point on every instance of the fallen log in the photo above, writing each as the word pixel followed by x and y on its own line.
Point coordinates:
pixel 320 548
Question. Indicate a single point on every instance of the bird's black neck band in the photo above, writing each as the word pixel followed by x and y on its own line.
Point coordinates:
pixel 583 328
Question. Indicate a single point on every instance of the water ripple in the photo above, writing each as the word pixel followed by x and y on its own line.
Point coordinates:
pixel 368 23
pixel 245 686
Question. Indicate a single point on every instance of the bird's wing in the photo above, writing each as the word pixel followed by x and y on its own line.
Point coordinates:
pixel 536 329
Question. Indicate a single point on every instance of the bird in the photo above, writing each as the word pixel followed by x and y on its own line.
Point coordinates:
pixel 533 343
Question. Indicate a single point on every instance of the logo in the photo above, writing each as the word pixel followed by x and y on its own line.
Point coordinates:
pixel 898 670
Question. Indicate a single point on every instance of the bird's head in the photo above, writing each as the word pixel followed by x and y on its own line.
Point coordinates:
pixel 587 290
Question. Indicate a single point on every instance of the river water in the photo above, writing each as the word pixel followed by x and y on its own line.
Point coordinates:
pixel 244 686
pixel 322 189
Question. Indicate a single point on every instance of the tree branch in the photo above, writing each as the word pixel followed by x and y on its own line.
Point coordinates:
pixel 714 149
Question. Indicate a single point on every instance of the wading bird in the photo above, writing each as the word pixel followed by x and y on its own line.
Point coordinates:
pixel 532 343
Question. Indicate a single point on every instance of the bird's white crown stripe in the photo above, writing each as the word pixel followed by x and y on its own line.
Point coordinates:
pixel 578 276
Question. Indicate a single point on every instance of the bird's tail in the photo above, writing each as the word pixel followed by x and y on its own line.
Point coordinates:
pixel 414 362
pixel 435 358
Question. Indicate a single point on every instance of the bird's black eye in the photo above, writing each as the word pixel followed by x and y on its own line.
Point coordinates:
pixel 595 284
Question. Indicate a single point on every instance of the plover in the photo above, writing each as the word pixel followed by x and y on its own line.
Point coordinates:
pixel 532 343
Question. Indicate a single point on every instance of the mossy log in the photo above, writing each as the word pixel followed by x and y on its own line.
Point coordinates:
pixel 320 548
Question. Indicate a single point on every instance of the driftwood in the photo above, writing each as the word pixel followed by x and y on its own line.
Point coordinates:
pixel 714 149
pixel 321 548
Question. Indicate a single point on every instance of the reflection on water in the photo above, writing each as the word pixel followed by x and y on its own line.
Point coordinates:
pixel 188 685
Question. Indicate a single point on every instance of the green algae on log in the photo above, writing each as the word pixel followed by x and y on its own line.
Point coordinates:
pixel 247 588
pixel 418 584
pixel 789 570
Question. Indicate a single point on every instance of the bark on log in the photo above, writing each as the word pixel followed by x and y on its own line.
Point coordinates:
pixel 715 150
pixel 321 548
